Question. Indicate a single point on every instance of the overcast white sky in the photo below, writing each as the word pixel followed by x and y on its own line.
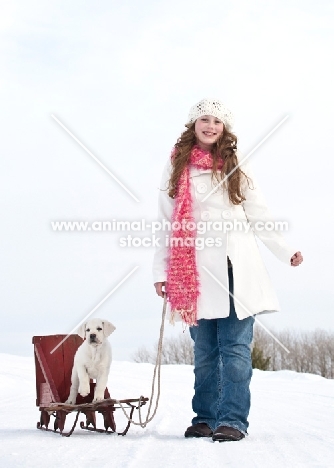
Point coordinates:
pixel 122 77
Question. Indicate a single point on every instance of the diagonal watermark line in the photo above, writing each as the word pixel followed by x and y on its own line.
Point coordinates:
pixel 245 308
pixel 95 158
pixel 96 307
pixel 244 159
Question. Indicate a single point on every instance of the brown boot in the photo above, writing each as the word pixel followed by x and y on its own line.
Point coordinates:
pixel 198 430
pixel 227 434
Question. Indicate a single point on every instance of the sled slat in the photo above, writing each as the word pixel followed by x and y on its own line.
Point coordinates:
pixel 46 372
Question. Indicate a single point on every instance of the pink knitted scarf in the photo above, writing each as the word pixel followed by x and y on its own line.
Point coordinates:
pixel 182 274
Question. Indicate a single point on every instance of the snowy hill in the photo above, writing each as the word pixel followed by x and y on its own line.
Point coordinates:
pixel 291 423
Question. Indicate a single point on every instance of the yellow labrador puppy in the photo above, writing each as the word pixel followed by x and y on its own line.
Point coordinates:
pixel 92 360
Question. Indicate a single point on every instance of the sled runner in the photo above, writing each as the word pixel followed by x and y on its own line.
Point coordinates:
pixel 53 382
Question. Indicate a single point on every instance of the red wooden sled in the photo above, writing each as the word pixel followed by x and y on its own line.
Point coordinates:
pixel 53 381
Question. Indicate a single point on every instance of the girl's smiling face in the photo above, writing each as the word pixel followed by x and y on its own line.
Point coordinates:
pixel 208 129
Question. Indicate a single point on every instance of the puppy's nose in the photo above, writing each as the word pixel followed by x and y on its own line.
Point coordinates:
pixel 92 336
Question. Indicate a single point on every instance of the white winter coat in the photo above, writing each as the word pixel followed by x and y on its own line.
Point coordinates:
pixel 253 290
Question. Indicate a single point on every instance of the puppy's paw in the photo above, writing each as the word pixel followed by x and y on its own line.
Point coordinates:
pixel 98 398
pixel 69 401
pixel 84 390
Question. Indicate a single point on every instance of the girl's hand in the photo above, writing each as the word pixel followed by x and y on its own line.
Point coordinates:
pixel 158 288
pixel 296 259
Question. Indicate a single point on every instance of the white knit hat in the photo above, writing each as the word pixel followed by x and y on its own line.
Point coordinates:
pixel 211 107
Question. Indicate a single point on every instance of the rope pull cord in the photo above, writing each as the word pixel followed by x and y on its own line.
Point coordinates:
pixel 156 376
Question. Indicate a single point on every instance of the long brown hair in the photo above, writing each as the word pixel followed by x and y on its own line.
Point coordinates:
pixel 223 150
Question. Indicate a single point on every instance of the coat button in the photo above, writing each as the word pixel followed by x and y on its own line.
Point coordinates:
pixel 205 215
pixel 202 188
pixel 226 214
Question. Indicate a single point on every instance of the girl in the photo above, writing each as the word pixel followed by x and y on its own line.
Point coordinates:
pixel 210 267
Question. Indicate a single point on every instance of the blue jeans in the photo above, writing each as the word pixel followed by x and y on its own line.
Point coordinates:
pixel 223 369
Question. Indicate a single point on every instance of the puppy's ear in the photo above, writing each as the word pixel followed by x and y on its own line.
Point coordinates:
pixel 108 328
pixel 81 331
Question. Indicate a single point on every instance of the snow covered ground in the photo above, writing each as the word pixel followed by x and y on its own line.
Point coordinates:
pixel 291 423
